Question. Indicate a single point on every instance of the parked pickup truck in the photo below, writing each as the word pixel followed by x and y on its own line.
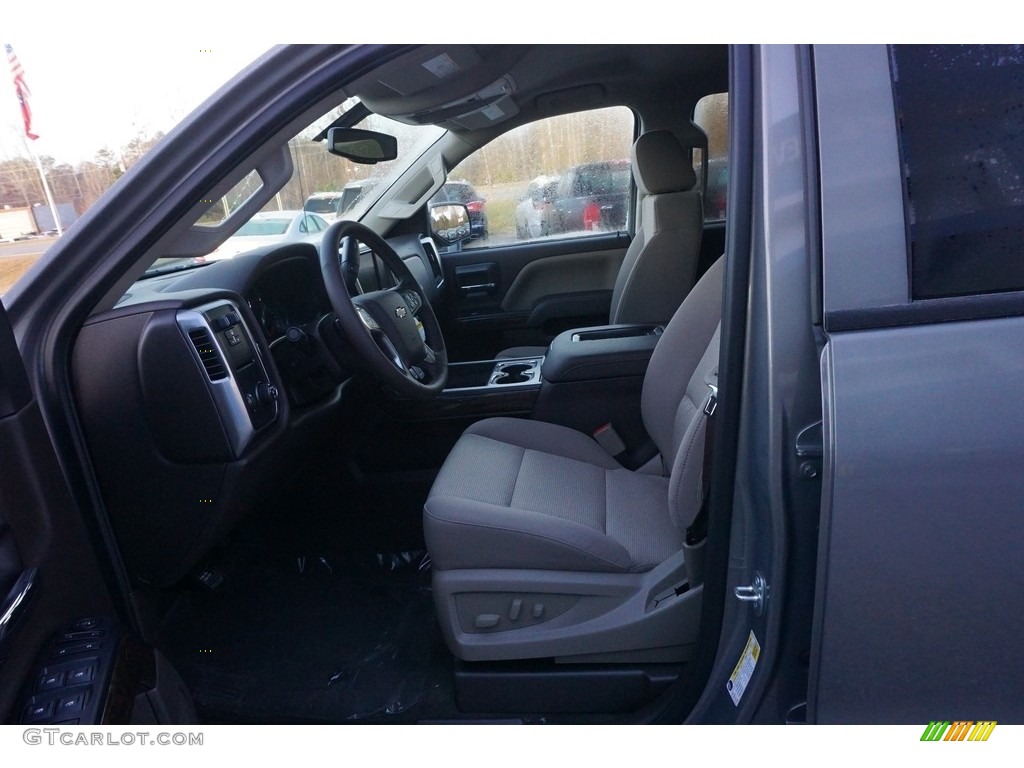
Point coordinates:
pixel 592 197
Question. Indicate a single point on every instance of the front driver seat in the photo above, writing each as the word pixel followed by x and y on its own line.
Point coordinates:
pixel 660 265
pixel 544 546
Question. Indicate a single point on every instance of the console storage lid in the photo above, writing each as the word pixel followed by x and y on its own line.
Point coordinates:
pixel 601 352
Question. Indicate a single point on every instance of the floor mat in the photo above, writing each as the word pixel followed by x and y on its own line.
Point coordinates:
pixel 314 639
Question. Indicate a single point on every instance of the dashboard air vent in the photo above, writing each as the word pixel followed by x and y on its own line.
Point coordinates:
pixel 208 353
pixel 435 262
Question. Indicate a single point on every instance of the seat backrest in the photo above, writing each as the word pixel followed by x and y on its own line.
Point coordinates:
pixel 676 390
pixel 660 265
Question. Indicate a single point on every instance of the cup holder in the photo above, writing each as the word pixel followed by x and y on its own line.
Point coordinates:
pixel 514 373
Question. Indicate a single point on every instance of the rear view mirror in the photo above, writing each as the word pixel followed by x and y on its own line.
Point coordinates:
pixel 359 146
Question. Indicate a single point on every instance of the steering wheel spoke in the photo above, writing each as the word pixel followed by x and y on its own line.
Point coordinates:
pixel 365 318
pixel 413 300
pixel 389 351
pixel 432 363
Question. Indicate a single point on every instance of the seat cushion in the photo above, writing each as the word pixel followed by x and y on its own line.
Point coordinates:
pixel 523 494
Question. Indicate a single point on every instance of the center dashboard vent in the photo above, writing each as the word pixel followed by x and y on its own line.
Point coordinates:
pixel 204 345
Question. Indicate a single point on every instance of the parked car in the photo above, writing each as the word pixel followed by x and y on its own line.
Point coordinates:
pixel 324 204
pixel 592 197
pixel 330 205
pixel 797 501
pixel 270 227
pixel 455 191
pixel 535 208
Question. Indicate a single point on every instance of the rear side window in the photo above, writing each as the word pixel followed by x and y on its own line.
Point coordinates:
pixel 711 114
pixel 960 111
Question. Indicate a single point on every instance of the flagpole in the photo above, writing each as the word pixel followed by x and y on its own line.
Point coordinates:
pixel 46 189
pixel 22 92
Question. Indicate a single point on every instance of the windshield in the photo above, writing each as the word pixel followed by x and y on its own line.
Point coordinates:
pixel 332 186
pixel 354 187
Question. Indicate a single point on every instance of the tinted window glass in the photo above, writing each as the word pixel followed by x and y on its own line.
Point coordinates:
pixel 712 115
pixel 562 176
pixel 961 118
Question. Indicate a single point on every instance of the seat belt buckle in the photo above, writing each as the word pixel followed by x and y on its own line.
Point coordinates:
pixel 609 439
pixel 712 402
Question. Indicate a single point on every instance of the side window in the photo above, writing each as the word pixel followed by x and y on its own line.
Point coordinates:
pixel 557 177
pixel 961 122
pixel 712 115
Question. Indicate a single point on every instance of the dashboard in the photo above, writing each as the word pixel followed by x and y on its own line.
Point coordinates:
pixel 282 287
pixel 288 295
pixel 200 387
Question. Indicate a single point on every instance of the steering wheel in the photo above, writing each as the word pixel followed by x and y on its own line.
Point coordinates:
pixel 394 331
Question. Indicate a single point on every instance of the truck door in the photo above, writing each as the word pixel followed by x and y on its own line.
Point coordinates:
pixel 922 200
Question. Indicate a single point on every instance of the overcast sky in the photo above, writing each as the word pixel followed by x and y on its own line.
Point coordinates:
pixel 102 73
pixel 88 97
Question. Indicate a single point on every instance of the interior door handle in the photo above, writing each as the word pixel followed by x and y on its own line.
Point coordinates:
pixel 489 287
pixel 16 605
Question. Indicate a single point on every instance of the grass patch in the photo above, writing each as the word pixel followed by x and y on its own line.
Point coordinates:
pixel 13 267
pixel 501 218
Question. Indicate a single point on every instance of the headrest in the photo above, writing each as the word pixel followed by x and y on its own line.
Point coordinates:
pixel 661 164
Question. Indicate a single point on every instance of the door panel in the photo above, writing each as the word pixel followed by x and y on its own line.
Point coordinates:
pixel 561 275
pixel 40 532
pixel 527 293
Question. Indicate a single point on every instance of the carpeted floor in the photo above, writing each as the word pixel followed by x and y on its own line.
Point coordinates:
pixel 330 639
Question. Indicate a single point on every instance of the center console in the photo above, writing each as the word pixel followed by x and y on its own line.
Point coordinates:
pixel 494 375
pixel 588 378
pixel 605 352
pixel 487 388
pixel 593 378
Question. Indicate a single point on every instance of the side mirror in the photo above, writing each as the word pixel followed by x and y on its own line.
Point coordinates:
pixel 449 222
pixel 359 146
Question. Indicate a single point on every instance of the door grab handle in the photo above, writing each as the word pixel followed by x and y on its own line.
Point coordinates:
pixel 15 606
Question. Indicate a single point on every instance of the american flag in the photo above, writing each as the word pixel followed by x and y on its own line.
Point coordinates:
pixel 21 89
